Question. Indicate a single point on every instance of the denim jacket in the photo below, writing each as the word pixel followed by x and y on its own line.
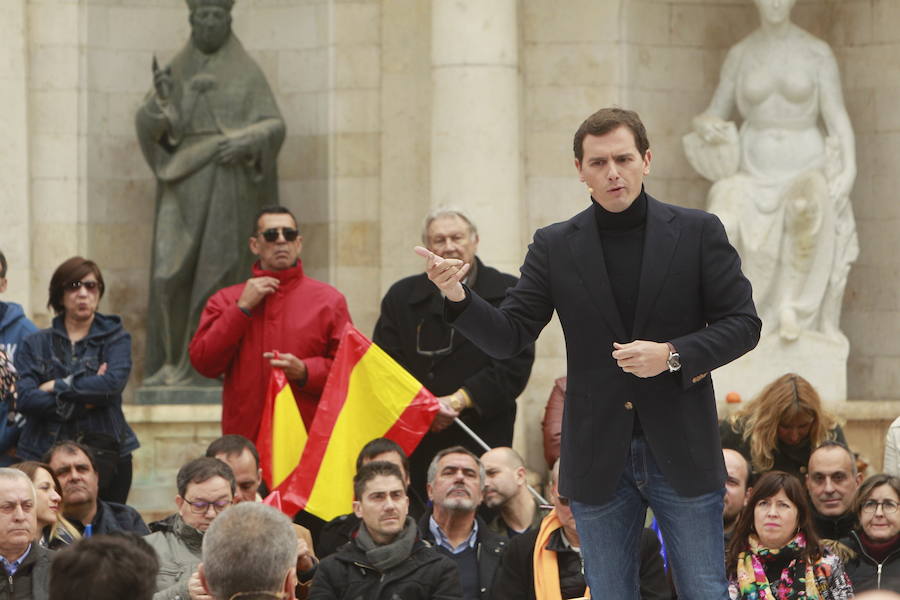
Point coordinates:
pixel 82 401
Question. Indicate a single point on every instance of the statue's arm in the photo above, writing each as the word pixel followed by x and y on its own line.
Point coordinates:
pixel 723 100
pixel 710 123
pixel 837 121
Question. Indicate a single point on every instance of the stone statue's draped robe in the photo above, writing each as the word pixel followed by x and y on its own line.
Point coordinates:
pixel 204 209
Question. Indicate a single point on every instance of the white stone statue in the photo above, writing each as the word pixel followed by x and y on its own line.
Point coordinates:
pixel 783 180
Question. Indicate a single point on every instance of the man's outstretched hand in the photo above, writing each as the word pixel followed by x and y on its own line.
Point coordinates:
pixel 446 273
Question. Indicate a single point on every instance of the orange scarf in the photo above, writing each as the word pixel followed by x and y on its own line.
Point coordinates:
pixel 546 569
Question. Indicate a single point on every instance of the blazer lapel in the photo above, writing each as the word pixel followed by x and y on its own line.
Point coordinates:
pixel 587 256
pixel 660 239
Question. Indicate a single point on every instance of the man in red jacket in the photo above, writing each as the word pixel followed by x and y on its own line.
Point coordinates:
pixel 277 318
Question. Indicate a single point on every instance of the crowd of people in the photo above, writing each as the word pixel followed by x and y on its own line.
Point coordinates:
pixel 796 517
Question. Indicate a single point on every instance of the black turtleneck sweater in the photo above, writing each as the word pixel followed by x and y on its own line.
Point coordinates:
pixel 622 239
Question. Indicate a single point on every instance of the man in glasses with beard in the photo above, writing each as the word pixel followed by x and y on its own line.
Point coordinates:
pixel 471 385
pixel 278 318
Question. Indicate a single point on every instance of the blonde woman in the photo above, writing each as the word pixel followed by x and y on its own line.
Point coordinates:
pixel 53 530
pixel 779 428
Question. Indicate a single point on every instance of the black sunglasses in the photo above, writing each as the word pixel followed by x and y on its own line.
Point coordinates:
pixel 88 285
pixel 271 235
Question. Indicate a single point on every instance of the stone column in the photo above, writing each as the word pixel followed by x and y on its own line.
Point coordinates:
pixel 476 160
pixel 15 202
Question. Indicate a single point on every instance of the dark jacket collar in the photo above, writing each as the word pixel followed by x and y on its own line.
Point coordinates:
pixel 101 327
pixel 660 239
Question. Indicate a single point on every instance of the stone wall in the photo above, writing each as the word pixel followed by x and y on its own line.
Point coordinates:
pixel 355 83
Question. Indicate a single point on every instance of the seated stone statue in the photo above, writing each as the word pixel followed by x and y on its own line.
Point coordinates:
pixel 782 181
pixel 210 130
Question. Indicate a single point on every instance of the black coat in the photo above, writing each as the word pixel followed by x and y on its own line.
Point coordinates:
pixel 489 548
pixel 515 579
pixel 864 570
pixel 691 293
pixel 346 575
pixel 412 312
pixel 112 516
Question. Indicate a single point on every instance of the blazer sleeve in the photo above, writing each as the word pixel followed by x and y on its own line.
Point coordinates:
pixel 505 331
pixel 732 325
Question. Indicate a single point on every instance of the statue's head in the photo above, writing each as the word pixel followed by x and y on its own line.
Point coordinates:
pixel 774 12
pixel 210 23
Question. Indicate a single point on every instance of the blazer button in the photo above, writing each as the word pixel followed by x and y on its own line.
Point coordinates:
pixel 629 405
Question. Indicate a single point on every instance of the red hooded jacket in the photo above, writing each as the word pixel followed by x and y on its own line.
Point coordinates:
pixel 303 317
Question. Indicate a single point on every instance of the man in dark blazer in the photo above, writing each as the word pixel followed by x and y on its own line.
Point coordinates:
pixel 651 298
pixel 471 385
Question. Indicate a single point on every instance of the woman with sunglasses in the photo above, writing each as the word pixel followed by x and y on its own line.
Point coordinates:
pixel 71 378
pixel 876 542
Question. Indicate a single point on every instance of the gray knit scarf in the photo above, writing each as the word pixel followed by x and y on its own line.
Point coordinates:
pixel 389 555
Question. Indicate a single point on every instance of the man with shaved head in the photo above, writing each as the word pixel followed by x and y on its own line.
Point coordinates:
pixel 506 489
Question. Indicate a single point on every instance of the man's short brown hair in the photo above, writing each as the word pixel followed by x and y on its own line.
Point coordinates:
pixel 608 119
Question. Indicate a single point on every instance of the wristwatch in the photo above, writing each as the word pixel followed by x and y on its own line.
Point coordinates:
pixel 674 360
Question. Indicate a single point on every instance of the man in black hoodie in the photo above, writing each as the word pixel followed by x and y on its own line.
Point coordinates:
pixel 386 558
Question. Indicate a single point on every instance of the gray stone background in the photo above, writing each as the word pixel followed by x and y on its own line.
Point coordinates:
pixel 354 82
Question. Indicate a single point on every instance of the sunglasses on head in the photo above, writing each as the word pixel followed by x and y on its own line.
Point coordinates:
pixel 88 285
pixel 271 235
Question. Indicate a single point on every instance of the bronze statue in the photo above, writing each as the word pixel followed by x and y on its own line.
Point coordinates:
pixel 211 131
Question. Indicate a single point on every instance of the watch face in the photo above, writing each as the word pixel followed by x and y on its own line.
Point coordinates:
pixel 674 361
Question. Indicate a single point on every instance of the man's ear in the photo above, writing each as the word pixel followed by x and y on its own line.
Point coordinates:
pixel 357 509
pixel 179 502
pixel 203 582
pixel 290 584
pixel 747 495
pixel 522 474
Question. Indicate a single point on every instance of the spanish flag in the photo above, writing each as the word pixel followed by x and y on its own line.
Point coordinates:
pixel 282 434
pixel 367 395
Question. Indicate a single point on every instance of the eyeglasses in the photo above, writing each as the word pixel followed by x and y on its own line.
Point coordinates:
pixel 887 506
pixel 88 285
pixel 440 351
pixel 271 235
pixel 200 507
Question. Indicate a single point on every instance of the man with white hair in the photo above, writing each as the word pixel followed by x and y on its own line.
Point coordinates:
pixel 471 385
pixel 250 552
pixel 455 480
pixel 25 564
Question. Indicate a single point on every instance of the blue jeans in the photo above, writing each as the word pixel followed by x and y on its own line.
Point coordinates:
pixel 691 528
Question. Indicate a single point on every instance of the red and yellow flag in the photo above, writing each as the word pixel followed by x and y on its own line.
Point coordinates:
pixel 367 395
pixel 282 434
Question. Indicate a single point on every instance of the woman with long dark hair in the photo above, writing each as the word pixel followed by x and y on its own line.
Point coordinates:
pixel 71 378
pixel 774 551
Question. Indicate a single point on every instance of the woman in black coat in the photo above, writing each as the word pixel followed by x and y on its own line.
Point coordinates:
pixel 876 542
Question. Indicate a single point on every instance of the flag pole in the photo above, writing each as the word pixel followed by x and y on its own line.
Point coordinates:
pixel 481 443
